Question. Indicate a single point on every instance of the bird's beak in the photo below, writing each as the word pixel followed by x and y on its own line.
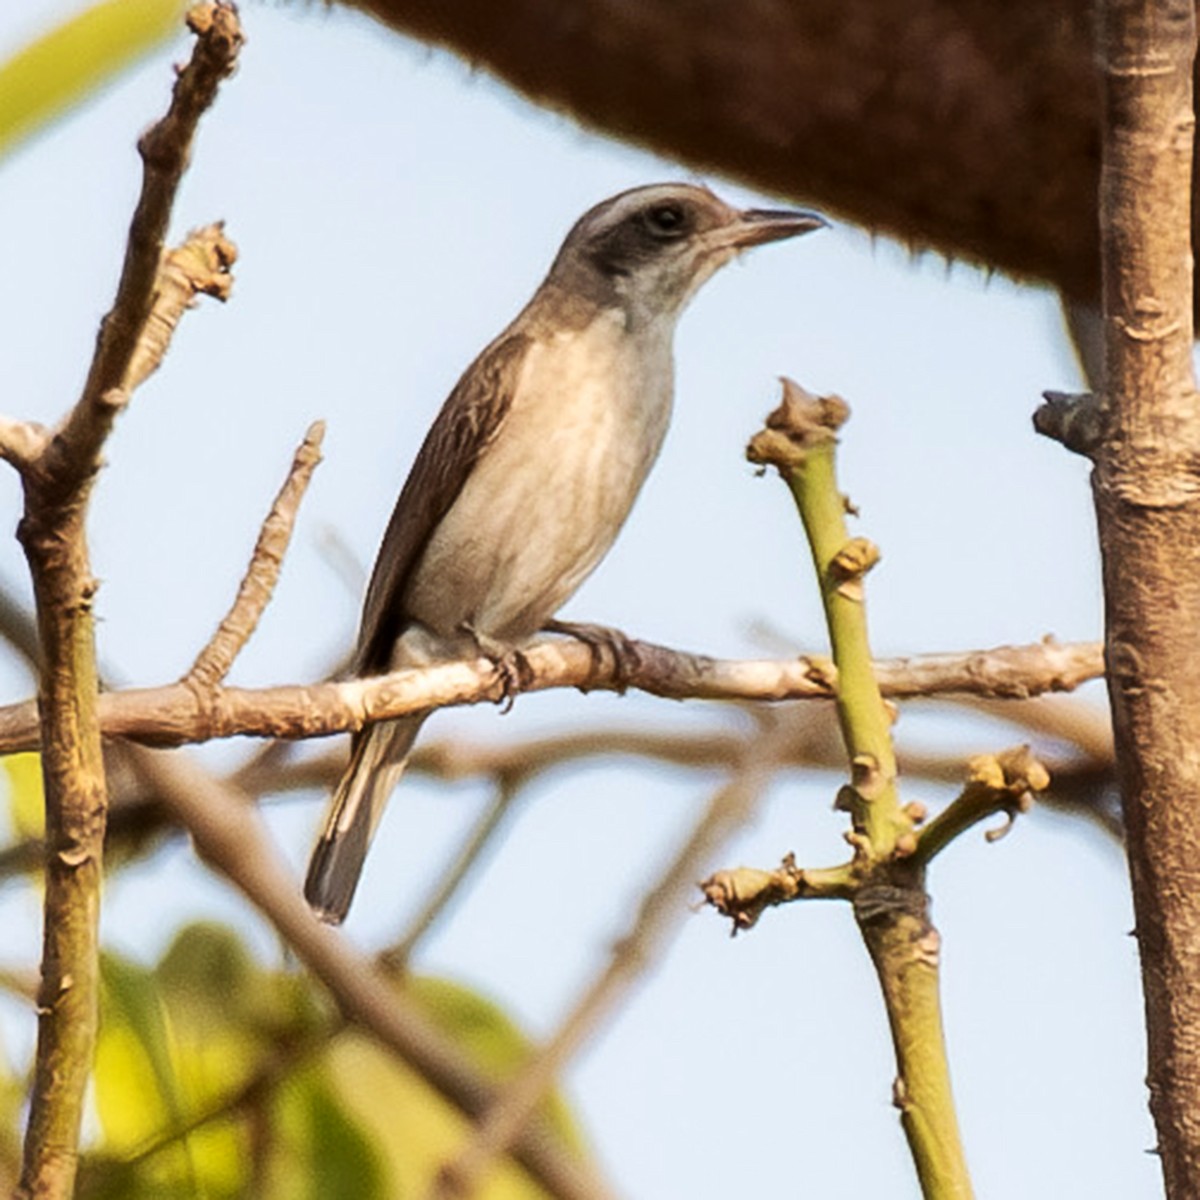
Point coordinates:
pixel 755 226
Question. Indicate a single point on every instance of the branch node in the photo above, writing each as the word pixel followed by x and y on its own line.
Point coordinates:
pixel 744 893
pixel 801 422
pixel 821 670
pixel 867 779
pixel 112 400
pixel 852 562
pixel 885 901
pixel 1074 420
pixel 22 442
pixel 996 783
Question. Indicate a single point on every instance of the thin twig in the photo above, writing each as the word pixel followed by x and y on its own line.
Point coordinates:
pixel 258 584
pixel 445 888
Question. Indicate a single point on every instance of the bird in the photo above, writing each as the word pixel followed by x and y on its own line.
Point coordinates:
pixel 529 471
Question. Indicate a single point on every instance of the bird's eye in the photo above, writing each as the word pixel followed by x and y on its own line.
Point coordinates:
pixel 666 220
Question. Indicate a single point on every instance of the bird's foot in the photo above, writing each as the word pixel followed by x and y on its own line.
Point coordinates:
pixel 598 639
pixel 511 665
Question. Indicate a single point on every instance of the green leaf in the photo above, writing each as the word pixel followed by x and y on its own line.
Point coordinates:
pixel 64 66
pixel 217 1077
pixel 418 1130
pixel 319 1152
pixel 26 799
pixel 492 1039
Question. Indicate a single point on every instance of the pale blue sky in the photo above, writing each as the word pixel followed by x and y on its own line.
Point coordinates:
pixel 393 211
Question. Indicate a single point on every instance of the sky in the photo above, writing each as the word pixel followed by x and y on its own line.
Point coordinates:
pixel 394 210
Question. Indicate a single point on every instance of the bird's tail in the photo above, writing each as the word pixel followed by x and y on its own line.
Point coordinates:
pixel 377 761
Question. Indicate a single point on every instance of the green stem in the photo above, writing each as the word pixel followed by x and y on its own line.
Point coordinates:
pixel 904 946
pixel 810 426
pixel 890 903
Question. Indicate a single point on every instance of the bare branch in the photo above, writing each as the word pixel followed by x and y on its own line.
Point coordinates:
pixel 214 661
pixel 199 267
pixel 887 883
pixel 1146 489
pixel 481 835
pixel 165 149
pixel 1082 785
pixel 175 714
pixel 57 474
pixel 743 894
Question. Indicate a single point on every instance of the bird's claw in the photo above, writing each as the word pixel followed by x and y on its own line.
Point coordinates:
pixel 598 639
pixel 512 667
pixel 515 676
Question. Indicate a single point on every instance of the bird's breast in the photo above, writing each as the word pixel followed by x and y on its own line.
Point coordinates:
pixel 548 497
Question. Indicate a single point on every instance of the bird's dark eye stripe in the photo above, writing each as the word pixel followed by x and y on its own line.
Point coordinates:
pixel 666 220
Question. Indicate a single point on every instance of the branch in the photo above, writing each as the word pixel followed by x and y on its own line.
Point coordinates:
pixel 1082 782
pixel 57 472
pixel 174 714
pixel 447 883
pixel 1146 488
pixel 799 440
pixel 743 894
pixel 214 661
pixel 130 342
pixel 199 267
pixel 1077 421
pixel 885 876
pixel 22 443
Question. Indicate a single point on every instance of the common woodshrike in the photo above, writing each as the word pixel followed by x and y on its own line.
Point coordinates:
pixel 530 469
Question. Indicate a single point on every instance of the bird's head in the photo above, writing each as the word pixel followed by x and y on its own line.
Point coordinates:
pixel 650 248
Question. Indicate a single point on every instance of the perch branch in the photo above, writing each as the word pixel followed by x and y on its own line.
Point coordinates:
pixel 174 714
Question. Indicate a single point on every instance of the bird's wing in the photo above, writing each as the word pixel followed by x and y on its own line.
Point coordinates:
pixel 466 426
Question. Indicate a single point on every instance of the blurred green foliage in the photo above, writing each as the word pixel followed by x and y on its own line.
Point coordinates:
pixel 68 63
pixel 218 1077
